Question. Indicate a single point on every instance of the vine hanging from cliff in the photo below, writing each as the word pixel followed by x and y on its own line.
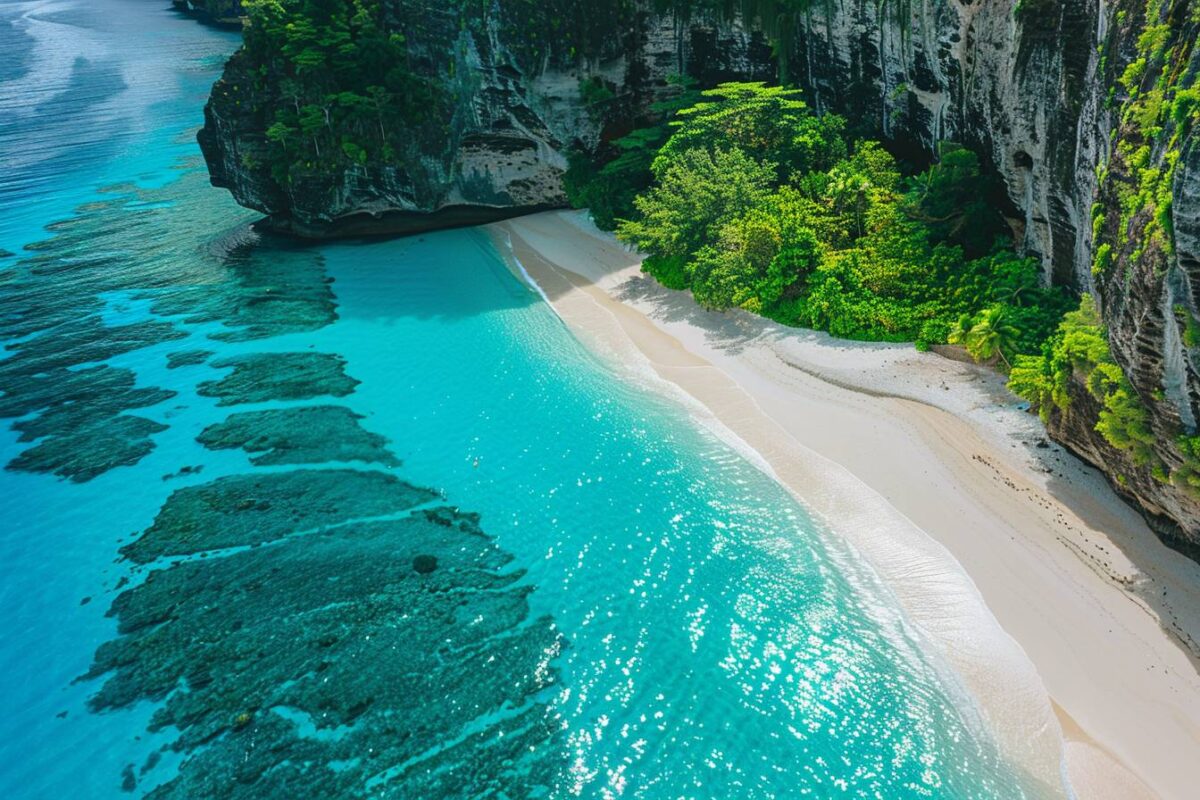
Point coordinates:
pixel 1155 100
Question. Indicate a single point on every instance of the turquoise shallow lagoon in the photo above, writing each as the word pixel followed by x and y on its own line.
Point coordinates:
pixel 364 519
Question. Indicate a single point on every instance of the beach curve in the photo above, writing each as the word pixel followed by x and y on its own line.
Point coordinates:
pixel 1011 572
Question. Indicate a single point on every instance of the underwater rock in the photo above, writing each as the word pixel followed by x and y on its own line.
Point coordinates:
pixel 92 449
pixel 78 417
pixel 184 471
pixel 270 291
pixel 188 358
pixel 241 510
pixel 135 245
pixel 89 388
pixel 128 779
pixel 73 418
pixel 309 435
pixel 323 665
pixel 83 342
pixel 279 376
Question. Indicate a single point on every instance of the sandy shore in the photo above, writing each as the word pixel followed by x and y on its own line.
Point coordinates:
pixel 1074 628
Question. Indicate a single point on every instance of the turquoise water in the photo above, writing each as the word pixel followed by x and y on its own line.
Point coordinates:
pixel 636 611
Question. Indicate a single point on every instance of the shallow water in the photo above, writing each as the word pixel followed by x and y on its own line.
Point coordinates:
pixel 267 461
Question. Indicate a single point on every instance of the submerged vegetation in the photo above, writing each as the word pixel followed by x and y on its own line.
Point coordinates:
pixel 752 201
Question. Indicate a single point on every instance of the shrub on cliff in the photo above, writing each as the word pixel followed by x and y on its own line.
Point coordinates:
pixel 335 83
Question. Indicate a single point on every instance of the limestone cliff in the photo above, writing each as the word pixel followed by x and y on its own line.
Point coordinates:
pixel 1105 195
pixel 517 95
pixel 1043 89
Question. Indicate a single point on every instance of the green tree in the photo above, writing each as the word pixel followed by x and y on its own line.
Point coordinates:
pixel 696 194
pixel 953 199
pixel 987 337
pixel 769 123
pixel 343 90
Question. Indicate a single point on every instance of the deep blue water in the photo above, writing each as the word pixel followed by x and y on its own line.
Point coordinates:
pixel 710 639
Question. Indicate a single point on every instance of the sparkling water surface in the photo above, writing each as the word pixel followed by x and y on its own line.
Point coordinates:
pixel 636 611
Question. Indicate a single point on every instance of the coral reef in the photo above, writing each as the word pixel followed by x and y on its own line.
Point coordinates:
pixel 257 377
pixel 306 435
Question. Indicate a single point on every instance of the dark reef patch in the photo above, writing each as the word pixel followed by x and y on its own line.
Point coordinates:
pixel 242 510
pixel 184 471
pixel 78 418
pixel 85 341
pixel 92 449
pixel 325 665
pixel 267 291
pixel 258 377
pixel 132 246
pixel 188 358
pixel 78 408
pixel 76 394
pixel 308 435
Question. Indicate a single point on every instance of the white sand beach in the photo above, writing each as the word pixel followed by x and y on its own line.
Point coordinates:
pixel 1015 560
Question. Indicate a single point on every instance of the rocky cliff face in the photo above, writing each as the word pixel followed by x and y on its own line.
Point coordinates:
pixel 1019 88
pixel 1041 88
pixel 518 102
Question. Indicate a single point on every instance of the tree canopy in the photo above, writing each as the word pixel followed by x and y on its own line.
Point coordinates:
pixel 753 201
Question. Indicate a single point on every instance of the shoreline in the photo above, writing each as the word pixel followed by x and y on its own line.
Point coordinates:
pixel 1045 593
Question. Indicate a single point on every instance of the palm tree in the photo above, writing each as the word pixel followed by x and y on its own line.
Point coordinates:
pixel 961 329
pixel 987 336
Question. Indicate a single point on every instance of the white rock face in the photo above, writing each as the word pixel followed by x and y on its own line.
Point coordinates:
pixel 1018 88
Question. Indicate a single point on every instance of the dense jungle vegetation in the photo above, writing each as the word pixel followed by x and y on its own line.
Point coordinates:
pixel 347 92
pixel 750 200
pixel 744 196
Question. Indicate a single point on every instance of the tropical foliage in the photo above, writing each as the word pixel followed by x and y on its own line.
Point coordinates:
pixel 347 93
pixel 752 201
pixel 1079 348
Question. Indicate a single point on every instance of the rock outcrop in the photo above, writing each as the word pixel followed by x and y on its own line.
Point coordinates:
pixel 226 13
pixel 1042 89
pixel 517 103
